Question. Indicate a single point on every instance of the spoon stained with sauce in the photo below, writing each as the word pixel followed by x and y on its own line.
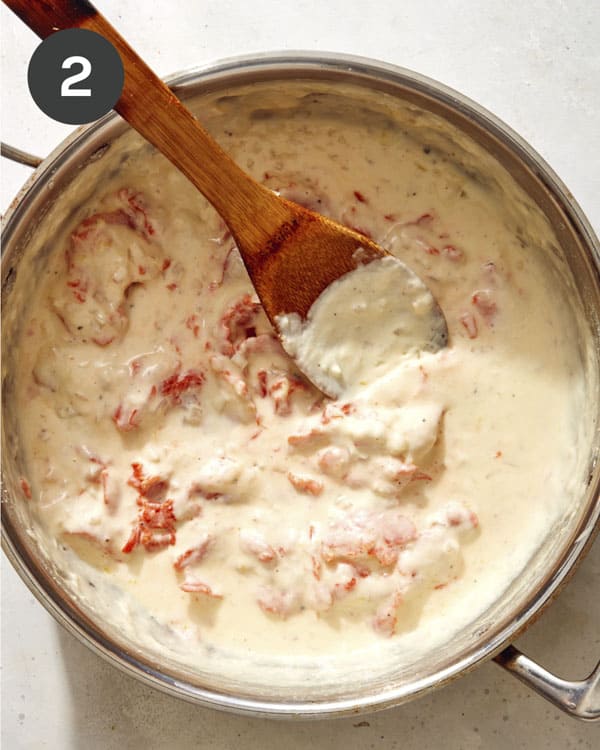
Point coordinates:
pixel 307 270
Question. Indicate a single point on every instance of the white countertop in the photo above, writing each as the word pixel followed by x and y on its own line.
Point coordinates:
pixel 537 66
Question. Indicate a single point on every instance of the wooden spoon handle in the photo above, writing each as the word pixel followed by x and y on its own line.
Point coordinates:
pixel 153 110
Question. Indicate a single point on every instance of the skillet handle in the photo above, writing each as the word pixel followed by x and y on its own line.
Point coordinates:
pixel 578 698
pixel 21 157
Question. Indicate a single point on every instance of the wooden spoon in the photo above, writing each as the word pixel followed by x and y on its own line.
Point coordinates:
pixel 292 254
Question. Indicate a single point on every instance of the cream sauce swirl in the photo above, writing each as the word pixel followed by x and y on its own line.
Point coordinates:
pixel 176 449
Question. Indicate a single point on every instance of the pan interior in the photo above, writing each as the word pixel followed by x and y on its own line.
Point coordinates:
pixel 330 100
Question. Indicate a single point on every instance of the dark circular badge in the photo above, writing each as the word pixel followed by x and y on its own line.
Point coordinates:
pixel 75 76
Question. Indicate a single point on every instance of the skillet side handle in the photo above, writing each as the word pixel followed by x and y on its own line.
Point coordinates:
pixel 578 698
pixel 21 157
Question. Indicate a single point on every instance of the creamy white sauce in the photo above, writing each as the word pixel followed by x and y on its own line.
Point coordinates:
pixel 186 468
pixel 363 325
